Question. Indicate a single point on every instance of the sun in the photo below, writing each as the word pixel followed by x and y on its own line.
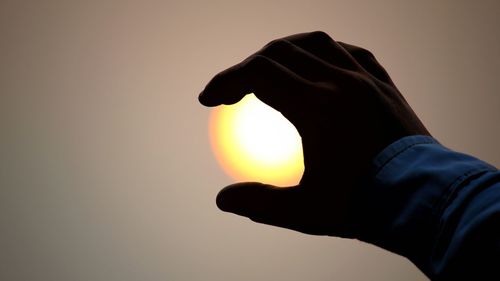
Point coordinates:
pixel 254 142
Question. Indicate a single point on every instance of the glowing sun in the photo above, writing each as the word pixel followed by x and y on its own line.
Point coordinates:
pixel 254 142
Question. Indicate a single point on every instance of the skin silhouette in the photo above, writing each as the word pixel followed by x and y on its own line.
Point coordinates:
pixel 346 110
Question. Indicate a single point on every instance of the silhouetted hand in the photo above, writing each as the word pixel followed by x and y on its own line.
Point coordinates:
pixel 346 110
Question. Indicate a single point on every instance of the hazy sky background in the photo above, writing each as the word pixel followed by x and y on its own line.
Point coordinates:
pixel 106 171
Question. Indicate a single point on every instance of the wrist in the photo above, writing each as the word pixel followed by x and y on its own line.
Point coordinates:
pixel 399 207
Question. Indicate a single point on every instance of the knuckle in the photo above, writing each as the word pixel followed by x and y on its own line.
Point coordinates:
pixel 258 61
pixel 217 81
pixel 217 77
pixel 356 50
pixel 320 35
pixel 365 53
pixel 365 84
pixel 276 45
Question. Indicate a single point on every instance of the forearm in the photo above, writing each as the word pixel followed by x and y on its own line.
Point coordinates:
pixel 437 207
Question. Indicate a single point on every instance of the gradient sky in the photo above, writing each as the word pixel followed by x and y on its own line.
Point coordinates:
pixel 106 170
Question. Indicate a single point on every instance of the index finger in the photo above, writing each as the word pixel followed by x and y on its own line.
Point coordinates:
pixel 271 82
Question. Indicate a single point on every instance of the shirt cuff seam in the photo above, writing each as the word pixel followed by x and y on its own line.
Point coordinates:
pixel 397 148
pixel 450 194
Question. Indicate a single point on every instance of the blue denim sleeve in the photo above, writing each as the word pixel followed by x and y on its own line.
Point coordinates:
pixel 437 207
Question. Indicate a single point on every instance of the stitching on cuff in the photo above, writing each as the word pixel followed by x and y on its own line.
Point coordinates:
pixel 451 191
pixel 396 150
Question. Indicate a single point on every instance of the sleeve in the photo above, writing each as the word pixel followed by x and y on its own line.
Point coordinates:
pixel 437 207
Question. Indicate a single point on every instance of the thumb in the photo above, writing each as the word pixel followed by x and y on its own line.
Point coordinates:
pixel 262 203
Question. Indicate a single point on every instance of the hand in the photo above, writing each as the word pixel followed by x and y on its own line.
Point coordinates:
pixel 346 110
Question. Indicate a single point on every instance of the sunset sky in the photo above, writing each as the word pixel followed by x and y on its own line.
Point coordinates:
pixel 106 167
